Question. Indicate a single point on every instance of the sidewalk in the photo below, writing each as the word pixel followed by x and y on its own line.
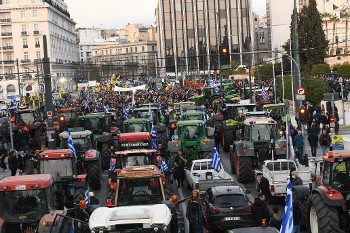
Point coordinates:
pixel 4 174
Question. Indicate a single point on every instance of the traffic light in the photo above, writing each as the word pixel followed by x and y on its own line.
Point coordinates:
pixel 224 55
pixel 303 114
pixel 62 118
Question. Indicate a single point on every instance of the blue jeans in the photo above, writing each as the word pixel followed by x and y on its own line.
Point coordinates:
pixel 325 150
pixel 296 229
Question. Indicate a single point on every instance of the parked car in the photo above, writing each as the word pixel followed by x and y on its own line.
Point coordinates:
pixel 254 230
pixel 227 207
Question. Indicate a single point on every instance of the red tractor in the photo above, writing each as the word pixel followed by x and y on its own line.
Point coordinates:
pixel 327 208
pixel 65 119
pixel 28 124
pixel 26 204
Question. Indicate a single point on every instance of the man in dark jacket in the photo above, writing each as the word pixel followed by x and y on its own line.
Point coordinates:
pixel 3 154
pixel 13 163
pixel 260 210
pixel 275 220
pixel 264 185
pixel 313 138
pixel 296 217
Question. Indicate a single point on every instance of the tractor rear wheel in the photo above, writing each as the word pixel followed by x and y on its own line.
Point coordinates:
pixel 302 202
pixel 94 174
pixel 322 217
pixel 78 195
pixel 206 155
pixel 228 139
pixel 244 171
pixel 232 162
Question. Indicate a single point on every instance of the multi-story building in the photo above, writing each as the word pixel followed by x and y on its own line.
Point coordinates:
pixel 189 33
pixel 23 24
pixel 127 59
pixel 261 38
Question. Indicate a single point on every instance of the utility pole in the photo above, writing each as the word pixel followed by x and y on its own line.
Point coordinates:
pixel 19 80
pixel 37 73
pixel 297 80
pixel 258 56
pixel 48 96
pixel 218 32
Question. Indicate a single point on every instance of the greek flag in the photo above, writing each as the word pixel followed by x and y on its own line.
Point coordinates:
pixel 290 150
pixel 212 84
pixel 287 222
pixel 87 200
pixel 111 167
pixel 215 160
pixel 86 105
pixel 263 92
pixel 160 107
pixel 126 113
pixel 204 119
pixel 71 228
pixel 71 145
pixel 105 108
pixel 181 111
pixel 15 106
pixel 154 137
pixel 163 166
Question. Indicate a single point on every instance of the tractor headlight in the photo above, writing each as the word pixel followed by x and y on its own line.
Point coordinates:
pixel 156 229
pixel 165 228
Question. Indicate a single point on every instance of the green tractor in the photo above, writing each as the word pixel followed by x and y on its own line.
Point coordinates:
pixel 234 115
pixel 254 147
pixel 277 112
pixel 209 93
pixel 192 115
pixel 191 139
pixel 103 133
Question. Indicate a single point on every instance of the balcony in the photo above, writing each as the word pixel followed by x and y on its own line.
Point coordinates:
pixel 6 34
pixel 24 33
pixel 8 62
pixel 7 47
pixel 37 45
pixel 25 46
pixel 5 20
pixel 37 60
pixel 36 32
pixel 25 61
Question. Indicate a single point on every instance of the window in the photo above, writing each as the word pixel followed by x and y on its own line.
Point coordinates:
pixel 23 14
pixel 24 27
pixel 135 49
pixel 262 38
pixel 36 27
pixel 131 50
pixel 35 14
pixel 8 43
pixel 25 42
pixel 38 55
pixel 233 4
pixel 9 57
pixel 199 6
pixel 126 50
pixel 178 7
pixel 26 56
pixel 143 48
pixel 37 41
pixel 153 48
pixel 110 51
pixel 81 54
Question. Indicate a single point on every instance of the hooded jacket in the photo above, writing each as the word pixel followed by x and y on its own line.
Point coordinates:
pixel 260 211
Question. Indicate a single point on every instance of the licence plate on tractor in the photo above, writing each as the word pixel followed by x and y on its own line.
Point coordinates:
pixel 232 218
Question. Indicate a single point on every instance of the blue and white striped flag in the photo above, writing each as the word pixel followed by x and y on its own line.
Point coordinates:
pixel 205 118
pixel 126 113
pixel 212 84
pixel 71 145
pixel 160 107
pixel 164 167
pixel 87 199
pixel 71 228
pixel 215 160
pixel 86 105
pixel 154 137
pixel 287 221
pixel 263 92
pixel 15 105
pixel 105 108
pixel 111 167
pixel 181 111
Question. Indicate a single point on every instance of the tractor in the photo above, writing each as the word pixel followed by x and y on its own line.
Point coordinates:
pixel 144 185
pixel 234 115
pixel 69 186
pixel 26 204
pixel 135 157
pixel 193 115
pixel 136 133
pixel 209 93
pixel 253 147
pixel 88 160
pixel 277 112
pixel 65 118
pixel 191 139
pixel 327 208
pixel 27 124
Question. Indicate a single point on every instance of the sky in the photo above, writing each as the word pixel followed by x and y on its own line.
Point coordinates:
pixel 117 13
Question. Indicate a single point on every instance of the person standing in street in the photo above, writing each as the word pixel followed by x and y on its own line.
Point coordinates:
pixel 179 169
pixel 13 162
pixel 217 139
pixel 325 142
pixel 313 138
pixel 275 220
pixel 3 154
pixel 263 186
pixel 299 144
pixel 295 179
pixel 260 210
pixel 296 217
pixel 194 213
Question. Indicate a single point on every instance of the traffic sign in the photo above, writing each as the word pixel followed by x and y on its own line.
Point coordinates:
pixel 300 91
pixel 300 97
pixel 49 114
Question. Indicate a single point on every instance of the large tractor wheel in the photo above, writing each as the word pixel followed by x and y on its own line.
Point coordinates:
pixel 79 195
pixel 302 202
pixel 244 171
pixel 180 221
pixel 206 155
pixel 322 217
pixel 94 174
pixel 232 161
pixel 105 158
pixel 228 139
pixel 162 137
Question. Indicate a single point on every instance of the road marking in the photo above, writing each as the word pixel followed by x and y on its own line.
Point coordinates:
pixel 183 207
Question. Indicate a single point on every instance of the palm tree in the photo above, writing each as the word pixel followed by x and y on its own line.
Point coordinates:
pixel 333 19
pixel 346 15
pixel 326 16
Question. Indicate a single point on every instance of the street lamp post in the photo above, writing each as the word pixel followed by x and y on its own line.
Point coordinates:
pixel 342 98
pixel 218 32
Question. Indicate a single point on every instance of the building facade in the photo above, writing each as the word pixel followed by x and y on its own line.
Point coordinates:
pixel 261 38
pixel 189 32
pixel 23 24
pixel 136 60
